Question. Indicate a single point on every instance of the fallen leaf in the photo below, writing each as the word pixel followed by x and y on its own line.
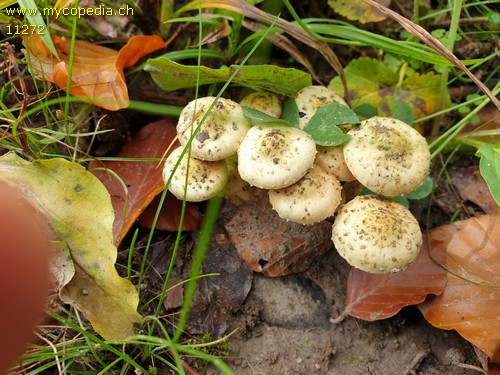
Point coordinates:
pixel 375 296
pixel 97 72
pixel 274 246
pixel 143 180
pixel 358 10
pixel 470 300
pixel 219 296
pixel 171 76
pixel 78 209
pixel 371 82
pixel 472 187
pixel 169 218
pixel 174 296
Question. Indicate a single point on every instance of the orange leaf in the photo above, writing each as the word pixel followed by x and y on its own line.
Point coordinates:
pixel 274 246
pixel 378 296
pixel 143 180
pixel 471 299
pixel 97 74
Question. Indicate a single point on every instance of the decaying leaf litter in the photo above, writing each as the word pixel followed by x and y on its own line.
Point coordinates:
pixel 215 305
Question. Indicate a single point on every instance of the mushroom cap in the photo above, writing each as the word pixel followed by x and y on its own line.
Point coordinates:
pixel 311 199
pixel 331 159
pixel 263 101
pixel 387 156
pixel 312 98
pixel 376 234
pixel 274 157
pixel 221 132
pixel 206 178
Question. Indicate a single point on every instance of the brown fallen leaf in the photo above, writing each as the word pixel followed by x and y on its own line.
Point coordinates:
pixel 470 301
pixel 379 296
pixel 169 218
pixel 97 73
pixel 274 246
pixel 143 180
pixel 472 187
pixel 221 295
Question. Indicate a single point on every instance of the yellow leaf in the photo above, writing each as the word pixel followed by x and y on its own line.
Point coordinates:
pixel 358 10
pixel 78 208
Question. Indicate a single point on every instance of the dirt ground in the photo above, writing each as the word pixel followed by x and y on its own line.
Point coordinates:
pixel 284 328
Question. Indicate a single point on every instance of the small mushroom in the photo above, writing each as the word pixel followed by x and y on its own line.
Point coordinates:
pixel 376 234
pixel 221 132
pixel 312 98
pixel 313 198
pixel 205 180
pixel 387 156
pixel 238 190
pixel 274 157
pixel 264 102
pixel 331 159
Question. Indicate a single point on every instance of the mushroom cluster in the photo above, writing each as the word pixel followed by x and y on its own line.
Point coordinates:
pixel 306 183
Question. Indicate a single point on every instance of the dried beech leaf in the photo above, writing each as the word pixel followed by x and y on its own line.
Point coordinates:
pixel 97 72
pixel 373 297
pixel 472 249
pixel 143 180
pixel 220 296
pixel 78 209
pixel 358 10
pixel 169 218
pixel 274 246
pixel 472 187
pixel 471 299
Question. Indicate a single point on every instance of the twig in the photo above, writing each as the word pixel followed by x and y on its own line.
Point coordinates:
pixel 410 369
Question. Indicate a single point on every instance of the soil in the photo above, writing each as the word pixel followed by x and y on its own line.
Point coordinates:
pixel 284 328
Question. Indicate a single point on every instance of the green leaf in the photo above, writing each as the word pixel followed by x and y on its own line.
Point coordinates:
pixel 78 208
pixel 423 190
pixel 172 76
pixel 489 166
pixel 365 110
pixel 261 117
pixel 371 82
pixel 290 113
pixel 402 111
pixel 323 124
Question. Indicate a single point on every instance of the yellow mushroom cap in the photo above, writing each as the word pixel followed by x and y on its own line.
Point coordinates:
pixel 262 101
pixel 387 156
pixel 206 178
pixel 331 159
pixel 313 198
pixel 274 157
pixel 312 98
pixel 376 234
pixel 221 132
